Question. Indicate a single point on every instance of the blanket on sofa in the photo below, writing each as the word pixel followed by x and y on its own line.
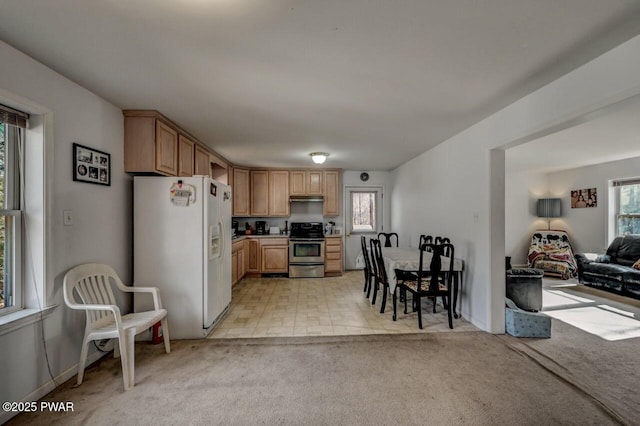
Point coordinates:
pixel 551 252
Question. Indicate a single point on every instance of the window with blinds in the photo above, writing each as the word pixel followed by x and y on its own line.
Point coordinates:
pixel 12 124
pixel 627 206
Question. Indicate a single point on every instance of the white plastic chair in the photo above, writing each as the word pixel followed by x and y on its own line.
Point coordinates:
pixel 92 282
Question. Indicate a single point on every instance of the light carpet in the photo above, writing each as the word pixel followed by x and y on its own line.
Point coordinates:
pixel 438 378
pixel 597 350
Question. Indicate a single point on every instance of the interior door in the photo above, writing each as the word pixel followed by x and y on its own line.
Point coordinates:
pixel 363 216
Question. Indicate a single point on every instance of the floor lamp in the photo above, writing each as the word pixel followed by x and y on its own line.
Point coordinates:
pixel 548 208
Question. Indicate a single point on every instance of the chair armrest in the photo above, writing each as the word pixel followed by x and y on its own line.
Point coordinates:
pixel 91 307
pixel 585 258
pixel 155 292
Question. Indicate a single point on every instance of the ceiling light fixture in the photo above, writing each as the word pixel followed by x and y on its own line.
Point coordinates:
pixel 319 157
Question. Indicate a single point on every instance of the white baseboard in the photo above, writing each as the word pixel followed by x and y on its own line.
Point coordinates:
pixel 49 386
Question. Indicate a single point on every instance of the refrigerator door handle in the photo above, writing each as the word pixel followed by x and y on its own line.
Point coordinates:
pixel 222 238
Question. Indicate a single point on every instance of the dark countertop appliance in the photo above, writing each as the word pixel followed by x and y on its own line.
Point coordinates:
pixel 261 227
pixel 306 250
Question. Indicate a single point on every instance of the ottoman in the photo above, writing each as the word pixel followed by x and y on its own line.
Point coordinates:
pixel 524 287
pixel 521 323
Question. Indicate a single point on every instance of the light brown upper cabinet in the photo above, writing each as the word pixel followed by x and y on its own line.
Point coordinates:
pixel 306 182
pixel 219 169
pixel 241 197
pixel 153 144
pixel 185 156
pixel 278 193
pixel 150 146
pixel 297 182
pixel 202 161
pixel 331 205
pixel 313 180
pixel 166 149
pixel 259 192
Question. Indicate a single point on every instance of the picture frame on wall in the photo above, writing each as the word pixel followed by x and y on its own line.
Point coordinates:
pixel 91 165
pixel 584 198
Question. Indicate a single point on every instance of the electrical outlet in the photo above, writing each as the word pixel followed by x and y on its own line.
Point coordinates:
pixel 68 217
pixel 476 216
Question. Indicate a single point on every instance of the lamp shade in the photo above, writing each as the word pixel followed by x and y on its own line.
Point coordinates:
pixel 549 207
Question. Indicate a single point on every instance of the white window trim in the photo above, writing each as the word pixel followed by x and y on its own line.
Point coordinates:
pixel 379 190
pixel 38 290
pixel 614 205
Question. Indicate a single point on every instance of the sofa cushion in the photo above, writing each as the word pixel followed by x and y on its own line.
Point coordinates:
pixel 628 250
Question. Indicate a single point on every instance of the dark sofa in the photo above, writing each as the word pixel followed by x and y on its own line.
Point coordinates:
pixel 613 271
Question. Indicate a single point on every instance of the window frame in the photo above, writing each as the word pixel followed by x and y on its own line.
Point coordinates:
pixel 378 200
pixel 617 185
pixel 14 169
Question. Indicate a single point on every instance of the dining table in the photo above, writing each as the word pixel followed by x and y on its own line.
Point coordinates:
pixel 408 259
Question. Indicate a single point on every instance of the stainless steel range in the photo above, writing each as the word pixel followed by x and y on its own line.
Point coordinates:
pixel 306 250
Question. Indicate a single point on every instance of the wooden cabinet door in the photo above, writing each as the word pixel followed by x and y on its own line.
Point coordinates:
pixel 331 205
pixel 278 193
pixel 202 162
pixel 241 267
pixel 185 156
pixel 254 264
pixel 313 180
pixel 259 193
pixel 241 192
pixel 297 182
pixel 275 259
pixel 234 267
pixel 166 149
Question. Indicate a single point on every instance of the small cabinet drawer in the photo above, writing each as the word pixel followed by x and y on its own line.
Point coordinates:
pixel 274 242
pixel 333 256
pixel 333 265
pixel 332 249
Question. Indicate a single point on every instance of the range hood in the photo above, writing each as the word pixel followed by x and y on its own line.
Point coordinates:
pixel 306 199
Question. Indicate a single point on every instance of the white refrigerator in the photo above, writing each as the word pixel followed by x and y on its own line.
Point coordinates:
pixel 182 245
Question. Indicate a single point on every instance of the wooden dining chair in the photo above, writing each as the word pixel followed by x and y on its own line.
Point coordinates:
pixel 380 272
pixel 425 239
pixel 368 269
pixel 439 240
pixel 388 238
pixel 439 282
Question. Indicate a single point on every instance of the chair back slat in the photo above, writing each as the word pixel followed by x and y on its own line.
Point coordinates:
pixel 378 261
pixel 435 274
pixel 365 253
pixel 92 284
pixel 388 238
pixel 425 239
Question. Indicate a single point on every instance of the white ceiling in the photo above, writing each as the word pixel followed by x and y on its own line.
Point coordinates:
pixel 610 137
pixel 373 82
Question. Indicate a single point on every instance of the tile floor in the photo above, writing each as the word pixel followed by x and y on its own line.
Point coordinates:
pixel 277 307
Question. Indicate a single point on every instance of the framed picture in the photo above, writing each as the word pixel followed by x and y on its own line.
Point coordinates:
pixel 581 198
pixel 91 165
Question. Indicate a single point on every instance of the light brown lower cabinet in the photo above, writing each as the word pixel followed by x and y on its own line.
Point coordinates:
pixel 234 267
pixel 333 256
pixel 238 262
pixel 274 254
pixel 254 265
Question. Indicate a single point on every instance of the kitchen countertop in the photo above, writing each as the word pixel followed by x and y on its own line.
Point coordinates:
pixel 244 237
